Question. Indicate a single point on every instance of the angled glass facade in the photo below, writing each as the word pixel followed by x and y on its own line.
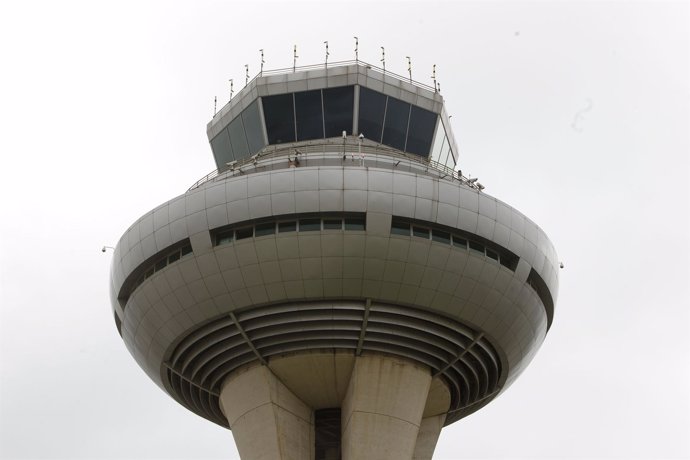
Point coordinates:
pixel 326 113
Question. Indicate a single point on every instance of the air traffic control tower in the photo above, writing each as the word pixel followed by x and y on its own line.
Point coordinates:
pixel 335 289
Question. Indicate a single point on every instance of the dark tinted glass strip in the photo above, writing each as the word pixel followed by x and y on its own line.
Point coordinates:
pixel 280 118
pixel 395 126
pixel 309 115
pixel 372 106
pixel 421 131
pixel 338 106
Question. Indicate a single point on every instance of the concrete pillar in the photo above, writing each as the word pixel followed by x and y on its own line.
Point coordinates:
pixel 383 408
pixel 267 420
pixel 429 431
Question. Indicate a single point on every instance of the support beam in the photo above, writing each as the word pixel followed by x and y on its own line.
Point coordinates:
pixel 267 420
pixel 429 431
pixel 383 408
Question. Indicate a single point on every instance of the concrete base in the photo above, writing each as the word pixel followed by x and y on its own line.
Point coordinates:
pixel 267 420
pixel 390 408
pixel 383 408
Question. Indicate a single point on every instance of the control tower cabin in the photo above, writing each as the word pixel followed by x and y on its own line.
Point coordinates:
pixel 334 289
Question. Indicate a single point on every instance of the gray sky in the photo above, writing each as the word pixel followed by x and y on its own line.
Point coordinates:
pixel 576 113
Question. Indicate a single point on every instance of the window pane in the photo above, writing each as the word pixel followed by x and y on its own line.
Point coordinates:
pixel 438 145
pixel 309 115
pixel 491 254
pixel 422 125
pixel 287 227
pixel 338 104
pixel 395 126
pixel 356 223
pixel 459 242
pixel 265 229
pixel 175 256
pixel 252 127
pixel 242 233
pixel 222 152
pixel 400 228
pixel 225 237
pixel 372 105
pixel 440 236
pixel 161 264
pixel 309 225
pixel 332 224
pixel 280 118
pixel 477 247
pixel 420 232
pixel 238 139
pixel 186 250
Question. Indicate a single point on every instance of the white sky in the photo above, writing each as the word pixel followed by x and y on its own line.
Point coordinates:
pixel 577 114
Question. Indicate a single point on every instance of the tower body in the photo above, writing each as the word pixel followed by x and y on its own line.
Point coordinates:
pixel 334 289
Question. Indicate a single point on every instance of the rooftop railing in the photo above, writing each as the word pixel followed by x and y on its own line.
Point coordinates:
pixel 324 66
pixel 314 153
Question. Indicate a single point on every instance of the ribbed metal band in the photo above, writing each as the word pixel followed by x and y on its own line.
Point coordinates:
pixel 464 358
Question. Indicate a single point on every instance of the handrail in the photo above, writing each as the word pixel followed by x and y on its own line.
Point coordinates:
pixel 294 151
pixel 358 62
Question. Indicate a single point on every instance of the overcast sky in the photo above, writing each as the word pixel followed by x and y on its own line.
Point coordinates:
pixel 576 113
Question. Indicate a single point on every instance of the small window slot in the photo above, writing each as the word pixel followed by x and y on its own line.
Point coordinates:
pixel 265 229
pixel 284 227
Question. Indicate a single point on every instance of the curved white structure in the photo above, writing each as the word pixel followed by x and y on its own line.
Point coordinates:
pixel 349 297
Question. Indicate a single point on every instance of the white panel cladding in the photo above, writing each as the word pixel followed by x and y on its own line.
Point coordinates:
pixel 293 267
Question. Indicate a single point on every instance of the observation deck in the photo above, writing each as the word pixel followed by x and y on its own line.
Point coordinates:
pixel 311 247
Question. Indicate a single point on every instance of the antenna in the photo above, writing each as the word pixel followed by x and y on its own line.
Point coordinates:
pixel 409 67
pixel 294 58
pixel 438 87
pixel 215 103
pixel 262 62
pixel 327 53
pixel 433 75
pixel 231 90
pixel 356 49
pixel 383 58
pixel 246 74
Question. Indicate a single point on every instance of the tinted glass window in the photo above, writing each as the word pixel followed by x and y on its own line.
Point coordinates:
pixel 287 226
pixel 332 224
pixel 371 109
pixel 395 126
pixel 309 115
pixel 355 223
pixel 265 229
pixel 420 232
pixel 252 127
pixel 238 139
pixel 308 225
pixel 280 118
pixel 422 125
pixel 491 254
pixel 222 151
pixel 175 256
pixel 161 264
pixel 186 250
pixel 460 242
pixel 242 233
pixel 440 236
pixel 338 105
pixel 400 228
pixel 225 237
pixel 476 246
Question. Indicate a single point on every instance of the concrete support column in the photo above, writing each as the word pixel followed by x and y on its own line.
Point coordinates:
pixel 429 431
pixel 267 420
pixel 383 408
